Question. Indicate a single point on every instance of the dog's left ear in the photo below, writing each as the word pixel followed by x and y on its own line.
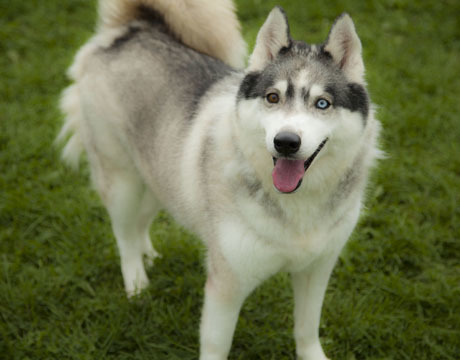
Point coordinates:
pixel 272 37
pixel 345 47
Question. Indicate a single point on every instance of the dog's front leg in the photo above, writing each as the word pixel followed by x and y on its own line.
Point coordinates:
pixel 237 263
pixel 222 304
pixel 309 289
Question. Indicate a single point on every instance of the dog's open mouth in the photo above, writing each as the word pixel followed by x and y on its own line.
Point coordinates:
pixel 288 173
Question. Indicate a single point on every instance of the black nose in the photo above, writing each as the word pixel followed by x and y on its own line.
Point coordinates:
pixel 287 143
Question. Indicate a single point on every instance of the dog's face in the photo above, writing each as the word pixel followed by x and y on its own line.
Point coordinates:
pixel 302 102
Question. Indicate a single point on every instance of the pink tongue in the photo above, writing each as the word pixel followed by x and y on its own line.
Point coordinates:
pixel 287 174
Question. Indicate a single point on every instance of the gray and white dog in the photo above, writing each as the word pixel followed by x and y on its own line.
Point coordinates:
pixel 268 165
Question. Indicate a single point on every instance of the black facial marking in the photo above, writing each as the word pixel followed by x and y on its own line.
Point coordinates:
pixel 305 94
pixel 290 90
pixel 358 98
pixel 254 85
pixel 248 85
pixel 350 96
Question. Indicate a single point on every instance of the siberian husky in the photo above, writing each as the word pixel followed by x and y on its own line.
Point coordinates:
pixel 267 164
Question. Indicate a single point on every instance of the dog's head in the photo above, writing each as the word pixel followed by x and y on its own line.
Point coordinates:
pixel 300 102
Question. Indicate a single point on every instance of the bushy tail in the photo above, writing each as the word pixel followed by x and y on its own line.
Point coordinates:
pixel 208 26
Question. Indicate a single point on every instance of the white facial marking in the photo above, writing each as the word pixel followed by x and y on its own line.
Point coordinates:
pixel 302 79
pixel 316 91
pixel 281 86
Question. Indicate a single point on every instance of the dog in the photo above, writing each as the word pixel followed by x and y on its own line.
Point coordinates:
pixel 267 163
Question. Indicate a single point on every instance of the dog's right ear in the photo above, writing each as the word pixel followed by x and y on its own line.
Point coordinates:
pixel 272 37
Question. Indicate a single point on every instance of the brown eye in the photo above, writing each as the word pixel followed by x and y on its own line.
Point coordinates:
pixel 273 98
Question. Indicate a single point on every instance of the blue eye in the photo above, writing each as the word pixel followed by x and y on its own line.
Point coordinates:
pixel 322 104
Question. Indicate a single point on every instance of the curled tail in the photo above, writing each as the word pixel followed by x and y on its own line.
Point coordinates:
pixel 208 26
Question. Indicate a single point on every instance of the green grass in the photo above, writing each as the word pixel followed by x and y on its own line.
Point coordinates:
pixel 395 293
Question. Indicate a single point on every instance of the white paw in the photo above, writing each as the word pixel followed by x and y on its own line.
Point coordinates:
pixel 136 286
pixel 134 277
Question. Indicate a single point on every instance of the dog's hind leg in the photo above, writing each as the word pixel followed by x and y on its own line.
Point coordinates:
pixel 131 207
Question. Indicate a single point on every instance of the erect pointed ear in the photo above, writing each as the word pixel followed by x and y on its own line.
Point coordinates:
pixel 272 37
pixel 345 47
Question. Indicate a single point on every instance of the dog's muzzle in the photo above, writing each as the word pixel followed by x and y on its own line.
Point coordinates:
pixel 288 172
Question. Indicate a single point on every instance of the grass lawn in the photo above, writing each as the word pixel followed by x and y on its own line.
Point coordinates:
pixel 395 292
